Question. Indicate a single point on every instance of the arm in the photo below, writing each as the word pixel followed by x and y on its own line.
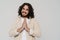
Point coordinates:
pixel 36 30
pixel 13 31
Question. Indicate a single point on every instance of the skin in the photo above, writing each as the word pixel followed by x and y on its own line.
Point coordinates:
pixel 25 11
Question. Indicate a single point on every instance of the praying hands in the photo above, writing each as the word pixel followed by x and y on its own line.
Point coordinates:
pixel 24 27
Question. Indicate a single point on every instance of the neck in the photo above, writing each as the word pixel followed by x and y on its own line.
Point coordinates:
pixel 24 17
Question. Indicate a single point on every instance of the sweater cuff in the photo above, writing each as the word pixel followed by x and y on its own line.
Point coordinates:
pixel 31 32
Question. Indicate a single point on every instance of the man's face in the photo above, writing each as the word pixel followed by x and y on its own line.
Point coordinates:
pixel 25 11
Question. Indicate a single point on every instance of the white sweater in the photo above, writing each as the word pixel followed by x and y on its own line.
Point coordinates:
pixel 24 31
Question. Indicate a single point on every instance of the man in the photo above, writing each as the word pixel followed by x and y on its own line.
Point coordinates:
pixel 26 27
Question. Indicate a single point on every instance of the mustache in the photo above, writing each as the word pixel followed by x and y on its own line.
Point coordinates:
pixel 23 12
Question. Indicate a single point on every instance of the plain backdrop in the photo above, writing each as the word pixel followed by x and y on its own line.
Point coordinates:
pixel 47 13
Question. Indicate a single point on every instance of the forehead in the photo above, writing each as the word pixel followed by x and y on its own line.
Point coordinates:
pixel 25 6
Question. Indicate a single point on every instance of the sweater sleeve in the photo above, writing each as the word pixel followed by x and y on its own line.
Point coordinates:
pixel 36 30
pixel 13 31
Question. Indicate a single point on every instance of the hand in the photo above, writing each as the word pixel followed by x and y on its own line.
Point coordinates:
pixel 20 29
pixel 25 25
pixel 27 29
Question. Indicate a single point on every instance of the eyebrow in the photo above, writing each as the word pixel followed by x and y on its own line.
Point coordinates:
pixel 24 8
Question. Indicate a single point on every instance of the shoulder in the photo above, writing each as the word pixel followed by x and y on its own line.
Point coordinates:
pixel 33 19
pixel 36 21
pixel 18 17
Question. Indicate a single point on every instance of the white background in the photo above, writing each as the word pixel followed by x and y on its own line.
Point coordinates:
pixel 47 13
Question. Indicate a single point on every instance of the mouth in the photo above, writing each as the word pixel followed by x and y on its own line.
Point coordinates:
pixel 24 12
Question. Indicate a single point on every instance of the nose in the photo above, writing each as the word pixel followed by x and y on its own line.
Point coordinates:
pixel 24 10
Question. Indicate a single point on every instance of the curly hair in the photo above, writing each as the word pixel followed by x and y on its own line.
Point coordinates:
pixel 31 10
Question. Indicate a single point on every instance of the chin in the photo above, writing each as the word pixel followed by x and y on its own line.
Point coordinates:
pixel 24 15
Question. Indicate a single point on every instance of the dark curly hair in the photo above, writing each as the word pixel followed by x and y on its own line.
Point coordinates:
pixel 31 10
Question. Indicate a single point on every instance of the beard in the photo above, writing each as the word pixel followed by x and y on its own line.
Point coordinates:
pixel 24 14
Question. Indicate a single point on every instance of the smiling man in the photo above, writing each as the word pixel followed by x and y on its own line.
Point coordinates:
pixel 25 27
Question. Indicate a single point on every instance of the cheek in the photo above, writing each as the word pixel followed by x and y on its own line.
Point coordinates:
pixel 22 10
pixel 27 12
